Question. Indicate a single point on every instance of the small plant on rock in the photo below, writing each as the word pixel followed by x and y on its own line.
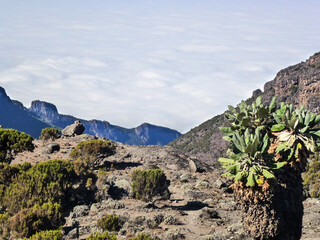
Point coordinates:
pixel 50 134
pixel 147 184
pixel 109 223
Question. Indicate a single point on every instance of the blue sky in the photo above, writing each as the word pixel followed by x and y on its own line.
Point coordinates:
pixel 171 63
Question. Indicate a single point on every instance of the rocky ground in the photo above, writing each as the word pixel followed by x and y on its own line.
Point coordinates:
pixel 200 206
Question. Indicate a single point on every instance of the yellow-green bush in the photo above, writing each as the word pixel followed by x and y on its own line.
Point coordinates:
pixel 50 134
pixel 144 236
pixel 146 184
pixel 38 218
pixel 103 236
pixel 109 223
pixel 89 154
pixel 13 142
pixel 47 235
pixel 311 178
pixel 4 225
pixel 44 182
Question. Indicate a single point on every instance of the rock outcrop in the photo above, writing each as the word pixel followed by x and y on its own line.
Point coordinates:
pixel 74 129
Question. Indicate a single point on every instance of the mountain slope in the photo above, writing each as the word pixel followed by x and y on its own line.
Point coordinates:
pixel 145 134
pixel 298 84
pixel 14 115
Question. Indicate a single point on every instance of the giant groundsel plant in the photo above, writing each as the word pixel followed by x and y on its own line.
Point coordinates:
pixel 269 147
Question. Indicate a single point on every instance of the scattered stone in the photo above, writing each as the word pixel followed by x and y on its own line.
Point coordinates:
pixel 74 129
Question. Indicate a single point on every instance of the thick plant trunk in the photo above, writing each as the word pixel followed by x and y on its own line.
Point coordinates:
pixel 277 213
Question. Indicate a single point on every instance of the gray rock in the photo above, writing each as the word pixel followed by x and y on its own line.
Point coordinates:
pixel 192 166
pixel 208 213
pixel 51 148
pixel 80 211
pixel 74 129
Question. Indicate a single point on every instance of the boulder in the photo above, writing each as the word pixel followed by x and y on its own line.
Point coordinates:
pixel 51 148
pixel 74 129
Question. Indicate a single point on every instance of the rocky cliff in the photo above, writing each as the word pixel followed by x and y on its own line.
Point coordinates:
pixel 145 134
pixel 298 84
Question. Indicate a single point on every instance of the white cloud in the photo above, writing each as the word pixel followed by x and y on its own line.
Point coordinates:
pixel 171 63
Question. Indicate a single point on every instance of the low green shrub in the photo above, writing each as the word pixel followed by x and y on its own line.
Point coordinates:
pixel 47 235
pixel 13 142
pixel 4 225
pixel 109 223
pixel 311 178
pixel 50 134
pixel 147 184
pixel 103 236
pixel 144 236
pixel 89 154
pixel 38 218
pixel 44 182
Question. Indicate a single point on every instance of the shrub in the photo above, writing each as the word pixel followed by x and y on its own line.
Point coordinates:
pixel 311 178
pixel 44 182
pixel 4 225
pixel 29 221
pixel 109 223
pixel 104 236
pixel 144 236
pixel 13 142
pixel 146 184
pixel 89 154
pixel 50 134
pixel 47 235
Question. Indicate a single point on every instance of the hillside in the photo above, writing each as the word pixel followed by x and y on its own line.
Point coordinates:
pixel 200 206
pixel 298 84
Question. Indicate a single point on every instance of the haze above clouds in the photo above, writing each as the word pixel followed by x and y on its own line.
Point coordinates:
pixel 171 63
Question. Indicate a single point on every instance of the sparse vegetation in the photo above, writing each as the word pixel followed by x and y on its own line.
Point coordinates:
pixel 13 142
pixel 103 236
pixel 30 221
pixel 89 154
pixel 50 134
pixel 144 236
pixel 47 235
pixel 44 182
pixel 147 184
pixel 109 223
pixel 311 179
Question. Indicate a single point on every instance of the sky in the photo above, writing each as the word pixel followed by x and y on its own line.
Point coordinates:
pixel 174 63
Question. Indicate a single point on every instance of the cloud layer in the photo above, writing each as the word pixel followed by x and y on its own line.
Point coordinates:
pixel 171 63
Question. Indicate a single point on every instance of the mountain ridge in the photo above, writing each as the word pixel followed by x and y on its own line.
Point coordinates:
pixel 43 114
pixel 297 84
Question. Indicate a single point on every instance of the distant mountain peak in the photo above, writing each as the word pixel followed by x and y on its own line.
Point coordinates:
pixel 3 94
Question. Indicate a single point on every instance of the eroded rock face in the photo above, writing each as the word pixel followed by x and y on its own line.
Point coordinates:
pixel 74 129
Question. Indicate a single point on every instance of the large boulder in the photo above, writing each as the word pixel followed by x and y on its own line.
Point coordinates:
pixel 74 129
